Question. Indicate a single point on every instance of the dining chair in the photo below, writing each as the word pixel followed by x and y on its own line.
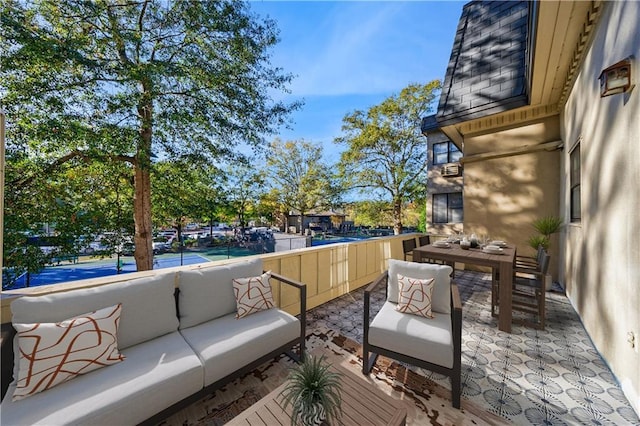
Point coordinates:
pixel 408 334
pixel 424 240
pixel 407 247
pixel 530 261
pixel 523 264
pixel 528 294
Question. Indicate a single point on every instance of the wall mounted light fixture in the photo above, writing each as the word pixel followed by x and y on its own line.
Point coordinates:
pixel 616 78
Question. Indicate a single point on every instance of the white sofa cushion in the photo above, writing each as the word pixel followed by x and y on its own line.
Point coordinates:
pixel 148 307
pixel 155 375
pixel 441 298
pixel 53 353
pixel 207 293
pixel 227 344
pixel 428 339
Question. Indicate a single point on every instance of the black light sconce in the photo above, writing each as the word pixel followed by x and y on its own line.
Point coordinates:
pixel 616 78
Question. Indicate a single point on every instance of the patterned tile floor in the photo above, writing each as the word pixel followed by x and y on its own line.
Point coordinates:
pixel 554 376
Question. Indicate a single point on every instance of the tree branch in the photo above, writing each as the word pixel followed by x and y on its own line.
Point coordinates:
pixel 50 168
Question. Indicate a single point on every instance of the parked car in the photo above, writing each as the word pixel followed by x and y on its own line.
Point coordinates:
pixel 160 245
pixel 127 248
pixel 167 233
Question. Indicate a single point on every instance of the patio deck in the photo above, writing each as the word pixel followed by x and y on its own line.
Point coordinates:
pixel 554 376
pixel 528 376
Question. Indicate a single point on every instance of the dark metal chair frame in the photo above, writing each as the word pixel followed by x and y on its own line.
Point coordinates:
pixel 370 352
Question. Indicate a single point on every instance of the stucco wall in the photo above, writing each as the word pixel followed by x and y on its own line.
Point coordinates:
pixel 503 196
pixel 601 263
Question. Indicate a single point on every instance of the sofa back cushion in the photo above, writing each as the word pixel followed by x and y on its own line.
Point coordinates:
pixel 207 293
pixel 148 307
pixel 441 296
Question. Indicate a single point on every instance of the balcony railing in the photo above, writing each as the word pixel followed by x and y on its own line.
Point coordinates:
pixel 329 271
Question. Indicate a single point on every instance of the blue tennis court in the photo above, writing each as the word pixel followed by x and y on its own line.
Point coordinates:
pixel 96 268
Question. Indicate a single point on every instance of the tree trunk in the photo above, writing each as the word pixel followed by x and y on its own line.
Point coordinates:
pixel 142 219
pixel 142 194
pixel 397 217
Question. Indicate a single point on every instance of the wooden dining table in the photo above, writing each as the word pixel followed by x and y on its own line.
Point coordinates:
pixel 502 262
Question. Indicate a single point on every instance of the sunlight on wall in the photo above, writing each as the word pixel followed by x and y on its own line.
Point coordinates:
pixel 503 196
pixel 602 257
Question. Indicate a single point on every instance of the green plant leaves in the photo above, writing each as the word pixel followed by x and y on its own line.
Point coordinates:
pixel 312 383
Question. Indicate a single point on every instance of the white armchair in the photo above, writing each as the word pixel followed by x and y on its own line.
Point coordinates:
pixel 431 343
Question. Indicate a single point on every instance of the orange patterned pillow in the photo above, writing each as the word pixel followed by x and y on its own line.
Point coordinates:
pixel 415 296
pixel 53 353
pixel 253 294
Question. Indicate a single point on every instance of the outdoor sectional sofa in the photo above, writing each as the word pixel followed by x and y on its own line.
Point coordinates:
pixel 179 335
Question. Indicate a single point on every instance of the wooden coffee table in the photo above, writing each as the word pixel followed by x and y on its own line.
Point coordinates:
pixel 362 404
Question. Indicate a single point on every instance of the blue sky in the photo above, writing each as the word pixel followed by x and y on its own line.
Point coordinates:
pixel 351 55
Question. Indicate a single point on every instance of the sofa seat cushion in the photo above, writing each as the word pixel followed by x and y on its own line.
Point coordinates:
pixel 154 375
pixel 227 344
pixel 428 339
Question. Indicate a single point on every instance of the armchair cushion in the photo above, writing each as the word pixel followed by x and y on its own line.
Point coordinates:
pixel 441 297
pixel 415 296
pixel 427 339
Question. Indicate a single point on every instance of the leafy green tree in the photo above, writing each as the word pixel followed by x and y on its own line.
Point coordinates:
pixel 372 213
pixel 300 179
pixel 215 202
pixel 245 184
pixel 128 81
pixel 385 150
pixel 269 210
pixel 65 208
pixel 181 192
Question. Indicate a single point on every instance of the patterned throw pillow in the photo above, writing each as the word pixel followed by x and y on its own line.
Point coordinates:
pixel 253 294
pixel 53 353
pixel 415 296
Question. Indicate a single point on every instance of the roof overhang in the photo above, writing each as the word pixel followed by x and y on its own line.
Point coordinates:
pixel 558 35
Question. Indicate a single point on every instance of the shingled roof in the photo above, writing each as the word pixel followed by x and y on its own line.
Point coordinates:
pixel 429 123
pixel 488 68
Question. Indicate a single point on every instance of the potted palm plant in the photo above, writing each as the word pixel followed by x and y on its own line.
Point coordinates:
pixel 313 392
pixel 546 226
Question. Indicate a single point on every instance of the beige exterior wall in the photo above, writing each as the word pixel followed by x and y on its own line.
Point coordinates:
pixel 503 196
pixel 329 271
pixel 601 262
